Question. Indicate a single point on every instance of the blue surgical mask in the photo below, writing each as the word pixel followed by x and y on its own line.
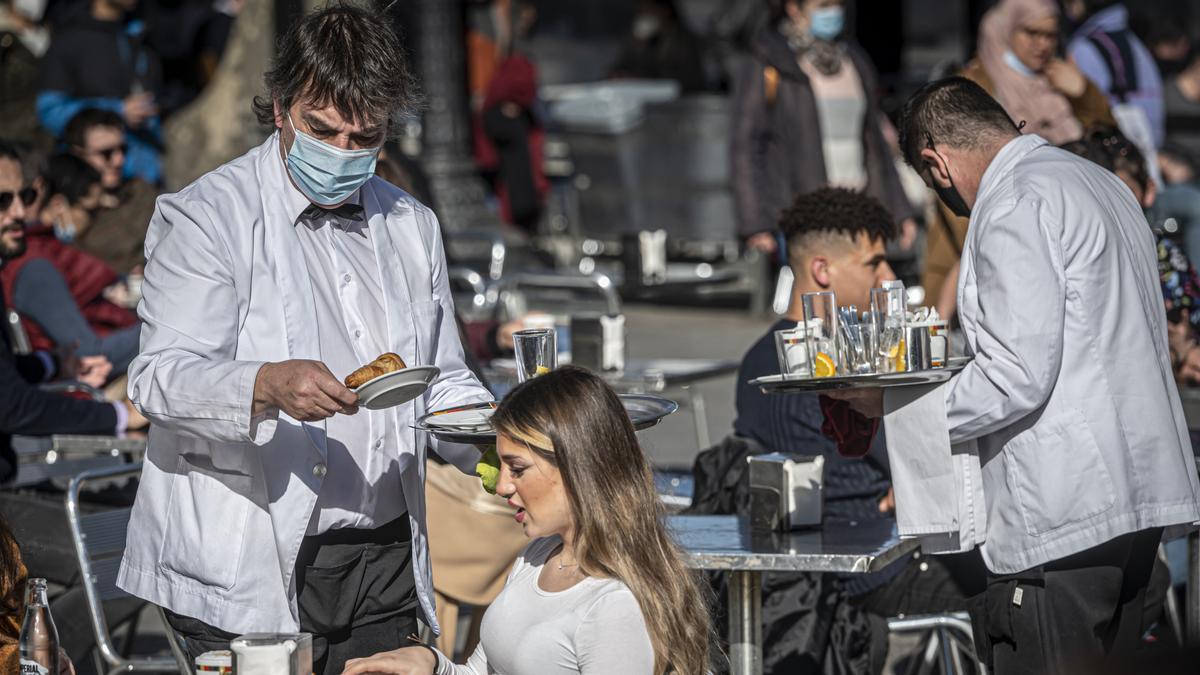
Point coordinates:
pixel 326 174
pixel 1011 60
pixel 826 23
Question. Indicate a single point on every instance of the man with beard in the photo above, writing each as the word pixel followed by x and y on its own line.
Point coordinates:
pixel 25 409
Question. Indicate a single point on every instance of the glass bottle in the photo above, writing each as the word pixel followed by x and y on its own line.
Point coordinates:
pixel 39 639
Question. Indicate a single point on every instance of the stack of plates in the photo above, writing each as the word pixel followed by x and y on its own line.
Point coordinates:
pixel 470 421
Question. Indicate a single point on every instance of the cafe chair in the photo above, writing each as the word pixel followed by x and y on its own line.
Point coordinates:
pixel 949 645
pixel 554 293
pixel 20 340
pixel 469 290
pixel 482 250
pixel 99 544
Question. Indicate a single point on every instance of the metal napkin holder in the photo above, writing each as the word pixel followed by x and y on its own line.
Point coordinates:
pixel 786 491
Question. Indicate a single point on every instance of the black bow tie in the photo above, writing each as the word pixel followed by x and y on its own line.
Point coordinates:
pixel 350 213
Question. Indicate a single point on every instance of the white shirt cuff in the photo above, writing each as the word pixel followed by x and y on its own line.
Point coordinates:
pixel 122 418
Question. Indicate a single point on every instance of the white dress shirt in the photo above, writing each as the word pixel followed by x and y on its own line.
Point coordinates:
pixel 362 487
pixel 225 500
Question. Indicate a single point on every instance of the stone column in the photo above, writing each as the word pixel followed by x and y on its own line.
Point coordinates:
pixel 458 190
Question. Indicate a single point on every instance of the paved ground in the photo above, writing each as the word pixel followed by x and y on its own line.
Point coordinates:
pixel 672 332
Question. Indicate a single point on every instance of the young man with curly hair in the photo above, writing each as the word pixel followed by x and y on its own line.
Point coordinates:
pixel 835 241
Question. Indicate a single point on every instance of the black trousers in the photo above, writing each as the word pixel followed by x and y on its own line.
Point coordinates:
pixel 356 595
pixel 1062 616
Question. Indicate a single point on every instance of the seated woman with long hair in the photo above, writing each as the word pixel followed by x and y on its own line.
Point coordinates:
pixel 601 589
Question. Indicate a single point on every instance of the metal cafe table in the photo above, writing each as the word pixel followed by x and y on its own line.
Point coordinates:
pixel 728 543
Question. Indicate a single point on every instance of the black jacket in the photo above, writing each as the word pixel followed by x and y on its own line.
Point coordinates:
pixel 27 410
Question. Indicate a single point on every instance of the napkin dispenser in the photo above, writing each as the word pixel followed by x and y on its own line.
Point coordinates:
pixel 786 490
pixel 598 342
pixel 272 654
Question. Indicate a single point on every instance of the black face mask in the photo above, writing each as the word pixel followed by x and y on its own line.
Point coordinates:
pixel 949 195
pixel 1171 67
pixel 953 200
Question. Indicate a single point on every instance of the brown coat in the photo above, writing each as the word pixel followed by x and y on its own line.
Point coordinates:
pixel 947 232
pixel 118 235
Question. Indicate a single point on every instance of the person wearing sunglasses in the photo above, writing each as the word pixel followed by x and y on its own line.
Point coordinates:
pixel 24 408
pixel 59 290
pixel 118 232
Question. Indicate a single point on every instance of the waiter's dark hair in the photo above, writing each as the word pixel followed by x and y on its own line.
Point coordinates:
pixel 953 111
pixel 346 56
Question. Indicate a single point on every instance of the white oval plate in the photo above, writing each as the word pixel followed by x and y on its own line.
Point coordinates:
pixel 478 419
pixel 395 388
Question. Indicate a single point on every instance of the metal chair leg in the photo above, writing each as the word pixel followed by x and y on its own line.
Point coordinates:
pixel 176 646
pixel 1171 608
pixel 131 627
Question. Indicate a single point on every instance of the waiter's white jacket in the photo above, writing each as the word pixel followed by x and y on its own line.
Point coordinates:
pixel 225 500
pixel 1070 395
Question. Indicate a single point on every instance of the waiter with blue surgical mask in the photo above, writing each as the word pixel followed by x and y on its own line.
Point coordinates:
pixel 269 501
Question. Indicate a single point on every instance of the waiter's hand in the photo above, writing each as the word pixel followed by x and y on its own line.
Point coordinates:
pixel 403 661
pixel 304 390
pixel 867 402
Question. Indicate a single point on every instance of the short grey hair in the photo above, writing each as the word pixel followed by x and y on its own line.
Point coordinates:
pixel 953 111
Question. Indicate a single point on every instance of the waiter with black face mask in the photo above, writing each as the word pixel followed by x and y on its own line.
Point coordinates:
pixel 1069 399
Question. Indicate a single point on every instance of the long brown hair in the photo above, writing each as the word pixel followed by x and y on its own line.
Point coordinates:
pixel 575 421
pixel 12 584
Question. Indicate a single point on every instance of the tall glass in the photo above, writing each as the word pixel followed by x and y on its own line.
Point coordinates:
pixel 535 351
pixel 888 305
pixel 865 360
pixel 792 349
pixel 820 315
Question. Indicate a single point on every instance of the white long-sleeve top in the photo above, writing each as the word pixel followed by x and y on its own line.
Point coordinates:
pixel 594 627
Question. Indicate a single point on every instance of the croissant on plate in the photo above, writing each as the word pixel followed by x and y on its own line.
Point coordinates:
pixel 382 365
